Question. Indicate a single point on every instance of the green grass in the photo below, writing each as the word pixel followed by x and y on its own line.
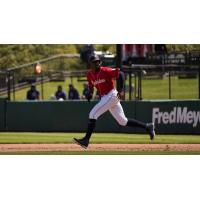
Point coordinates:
pixel 107 138
pixel 151 89
pixel 180 88
pixel 99 138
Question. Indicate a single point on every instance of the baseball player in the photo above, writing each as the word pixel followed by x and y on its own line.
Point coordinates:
pixel 103 79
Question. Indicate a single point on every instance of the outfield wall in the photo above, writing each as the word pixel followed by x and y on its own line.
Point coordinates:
pixel 58 116
pixel 172 117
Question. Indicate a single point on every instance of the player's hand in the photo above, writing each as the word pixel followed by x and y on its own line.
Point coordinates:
pixel 118 95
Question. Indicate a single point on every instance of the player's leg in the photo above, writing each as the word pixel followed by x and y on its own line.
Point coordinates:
pixel 84 142
pixel 118 113
pixel 100 108
pixel 104 105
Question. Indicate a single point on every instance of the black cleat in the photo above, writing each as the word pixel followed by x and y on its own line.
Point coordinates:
pixel 151 129
pixel 82 142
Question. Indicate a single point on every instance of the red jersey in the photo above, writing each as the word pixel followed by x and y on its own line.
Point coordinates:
pixel 103 80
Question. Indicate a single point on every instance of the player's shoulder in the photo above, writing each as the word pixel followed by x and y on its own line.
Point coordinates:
pixel 106 68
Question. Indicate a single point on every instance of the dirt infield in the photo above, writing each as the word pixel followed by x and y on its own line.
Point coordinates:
pixel 98 147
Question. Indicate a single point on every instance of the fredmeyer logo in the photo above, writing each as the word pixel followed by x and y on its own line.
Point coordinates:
pixel 177 115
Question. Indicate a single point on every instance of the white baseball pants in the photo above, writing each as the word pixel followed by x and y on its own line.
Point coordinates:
pixel 112 103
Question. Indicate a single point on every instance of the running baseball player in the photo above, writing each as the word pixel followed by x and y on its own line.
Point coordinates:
pixel 103 79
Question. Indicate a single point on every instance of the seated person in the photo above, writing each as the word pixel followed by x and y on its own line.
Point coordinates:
pixel 60 94
pixel 86 91
pixel 32 94
pixel 73 92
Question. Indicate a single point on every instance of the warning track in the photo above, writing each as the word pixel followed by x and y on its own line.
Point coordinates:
pixel 98 147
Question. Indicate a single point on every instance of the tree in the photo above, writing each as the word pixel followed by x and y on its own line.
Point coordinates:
pixel 17 54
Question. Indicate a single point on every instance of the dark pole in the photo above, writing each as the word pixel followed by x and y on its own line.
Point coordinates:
pixel 39 71
pixel 169 85
pixel 13 77
pixel 140 85
pixel 130 83
pixel 199 82
pixel 119 55
pixel 135 87
pixel 119 64
pixel 8 85
pixel 42 88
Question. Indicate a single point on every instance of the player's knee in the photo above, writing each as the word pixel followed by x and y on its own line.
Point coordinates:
pixel 122 121
pixel 92 115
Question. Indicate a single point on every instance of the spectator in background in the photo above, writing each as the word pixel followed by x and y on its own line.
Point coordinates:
pixel 33 94
pixel 86 91
pixel 73 92
pixel 60 94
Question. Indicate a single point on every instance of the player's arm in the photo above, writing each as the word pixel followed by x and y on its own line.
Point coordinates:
pixel 120 82
pixel 120 85
pixel 119 76
pixel 91 88
pixel 113 72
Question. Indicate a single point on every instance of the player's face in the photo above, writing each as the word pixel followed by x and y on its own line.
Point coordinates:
pixel 95 65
